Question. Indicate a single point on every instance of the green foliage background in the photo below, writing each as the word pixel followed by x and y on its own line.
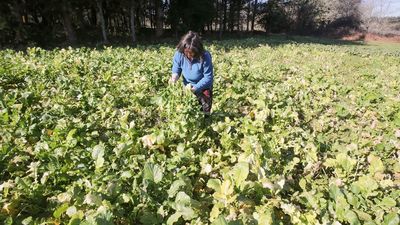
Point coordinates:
pixel 301 133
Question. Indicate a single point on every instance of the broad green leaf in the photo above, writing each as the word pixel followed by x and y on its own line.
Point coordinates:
pixel 220 221
pixel 173 218
pixel 60 210
pixel 175 187
pixel 71 141
pixel 387 202
pixel 149 218
pixel 226 187
pixel 181 183
pixel 92 199
pixel 8 221
pixel 352 199
pixel 370 222
pixel 345 162
pixel 214 184
pixel 265 218
pixel 152 172
pixel 182 198
pixel 240 172
pixel 27 221
pixel 334 192
pixel 391 219
pixel 366 185
pixel 98 155
pixel 126 174
pixel 311 199
pixel 102 216
pixel 376 164
pixel 74 221
pixel 187 212
pixel 363 216
pixel 215 211
pixel 352 218
pixel 341 205
pixel 180 148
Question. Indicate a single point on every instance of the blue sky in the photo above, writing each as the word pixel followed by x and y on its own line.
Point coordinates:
pixel 388 7
pixel 394 8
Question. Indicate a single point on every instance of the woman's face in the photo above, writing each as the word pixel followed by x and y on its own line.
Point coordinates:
pixel 189 53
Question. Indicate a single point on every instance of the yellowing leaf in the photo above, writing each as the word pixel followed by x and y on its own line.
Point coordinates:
pixel 376 164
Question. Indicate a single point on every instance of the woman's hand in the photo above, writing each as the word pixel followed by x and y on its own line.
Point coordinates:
pixel 173 79
pixel 190 87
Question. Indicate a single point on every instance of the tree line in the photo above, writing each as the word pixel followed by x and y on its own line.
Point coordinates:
pixel 40 22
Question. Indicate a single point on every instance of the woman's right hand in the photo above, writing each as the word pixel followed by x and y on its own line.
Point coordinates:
pixel 173 79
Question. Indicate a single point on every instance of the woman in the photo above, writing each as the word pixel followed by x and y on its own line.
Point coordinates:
pixel 191 60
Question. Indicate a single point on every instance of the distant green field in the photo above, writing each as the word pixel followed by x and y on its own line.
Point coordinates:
pixel 385 46
pixel 303 131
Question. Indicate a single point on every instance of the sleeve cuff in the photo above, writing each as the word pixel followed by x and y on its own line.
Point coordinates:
pixel 196 88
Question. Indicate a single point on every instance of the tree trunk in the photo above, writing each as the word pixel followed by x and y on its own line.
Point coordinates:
pixel 225 9
pixel 80 18
pixel 231 15
pixel 93 18
pixel 222 19
pixel 248 17
pixel 112 25
pixel 16 12
pixel 159 18
pixel 140 14
pixel 132 20
pixel 254 15
pixel 151 19
pixel 67 20
pixel 138 18
pixel 215 21
pixel 36 14
pixel 99 4
pixel 239 9
pixel 126 24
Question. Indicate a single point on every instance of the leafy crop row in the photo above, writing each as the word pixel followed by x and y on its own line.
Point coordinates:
pixel 300 134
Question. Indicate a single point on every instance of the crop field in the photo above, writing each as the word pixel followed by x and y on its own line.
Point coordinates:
pixel 303 131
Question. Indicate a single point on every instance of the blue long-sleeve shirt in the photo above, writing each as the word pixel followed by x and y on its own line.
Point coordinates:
pixel 196 72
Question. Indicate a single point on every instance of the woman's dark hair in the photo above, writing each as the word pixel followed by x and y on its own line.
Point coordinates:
pixel 191 41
